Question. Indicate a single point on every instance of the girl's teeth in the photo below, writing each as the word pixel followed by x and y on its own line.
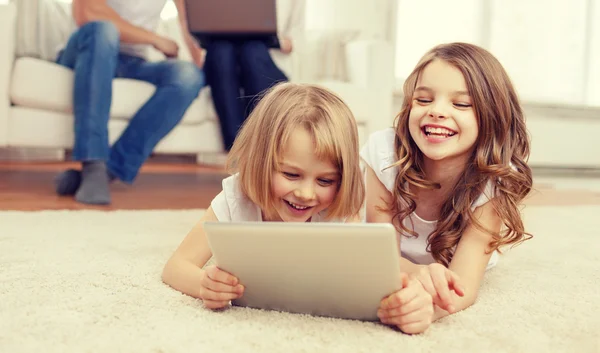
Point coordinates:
pixel 298 207
pixel 438 131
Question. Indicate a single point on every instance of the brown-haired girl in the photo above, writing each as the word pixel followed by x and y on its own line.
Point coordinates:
pixel 451 174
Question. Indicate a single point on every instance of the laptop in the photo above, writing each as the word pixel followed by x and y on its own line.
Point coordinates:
pixel 209 20
pixel 340 270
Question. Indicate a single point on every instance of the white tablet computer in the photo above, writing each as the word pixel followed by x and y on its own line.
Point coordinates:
pixel 328 269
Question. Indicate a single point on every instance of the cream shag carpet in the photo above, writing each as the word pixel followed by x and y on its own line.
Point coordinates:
pixel 89 281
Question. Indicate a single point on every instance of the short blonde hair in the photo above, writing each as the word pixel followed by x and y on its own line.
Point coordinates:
pixel 257 149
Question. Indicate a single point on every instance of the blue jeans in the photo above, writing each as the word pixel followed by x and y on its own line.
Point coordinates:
pixel 93 53
pixel 237 72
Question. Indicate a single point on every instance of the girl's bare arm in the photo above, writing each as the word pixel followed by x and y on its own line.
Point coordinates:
pixel 183 271
pixel 378 200
pixel 471 258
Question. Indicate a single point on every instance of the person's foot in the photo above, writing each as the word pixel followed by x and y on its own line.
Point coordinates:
pixel 68 182
pixel 94 188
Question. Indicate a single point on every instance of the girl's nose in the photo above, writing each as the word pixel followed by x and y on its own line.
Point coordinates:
pixel 305 193
pixel 437 110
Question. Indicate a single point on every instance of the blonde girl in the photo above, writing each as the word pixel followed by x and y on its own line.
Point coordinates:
pixel 295 160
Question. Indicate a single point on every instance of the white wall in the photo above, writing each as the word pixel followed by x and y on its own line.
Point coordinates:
pixel 593 87
pixel 422 25
pixel 542 46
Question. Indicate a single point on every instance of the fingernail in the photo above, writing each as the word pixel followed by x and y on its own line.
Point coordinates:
pixel 240 288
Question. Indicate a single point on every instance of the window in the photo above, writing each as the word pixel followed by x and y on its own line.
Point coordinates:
pixel 548 48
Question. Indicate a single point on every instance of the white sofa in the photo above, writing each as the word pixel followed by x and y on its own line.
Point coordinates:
pixel 36 95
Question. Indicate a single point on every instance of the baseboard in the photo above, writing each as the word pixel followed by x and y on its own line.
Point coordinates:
pixel 32 154
pixel 211 159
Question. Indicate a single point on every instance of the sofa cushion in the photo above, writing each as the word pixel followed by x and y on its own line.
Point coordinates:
pixel 46 85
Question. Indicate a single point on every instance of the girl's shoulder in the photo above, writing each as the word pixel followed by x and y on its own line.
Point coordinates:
pixel 488 193
pixel 231 204
pixel 381 138
pixel 379 154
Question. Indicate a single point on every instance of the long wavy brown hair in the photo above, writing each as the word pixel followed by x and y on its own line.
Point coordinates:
pixel 500 155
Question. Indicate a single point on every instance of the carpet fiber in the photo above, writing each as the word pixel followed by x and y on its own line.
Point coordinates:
pixel 75 281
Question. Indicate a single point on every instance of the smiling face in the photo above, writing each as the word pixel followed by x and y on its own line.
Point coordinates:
pixel 302 185
pixel 442 120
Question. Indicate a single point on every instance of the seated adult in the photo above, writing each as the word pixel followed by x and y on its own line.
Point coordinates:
pixel 238 70
pixel 111 41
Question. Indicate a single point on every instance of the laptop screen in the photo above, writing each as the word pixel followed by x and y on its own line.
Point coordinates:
pixel 231 16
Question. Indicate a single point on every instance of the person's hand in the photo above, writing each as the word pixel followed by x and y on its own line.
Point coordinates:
pixel 438 281
pixel 410 308
pixel 166 46
pixel 218 287
pixel 195 50
pixel 285 45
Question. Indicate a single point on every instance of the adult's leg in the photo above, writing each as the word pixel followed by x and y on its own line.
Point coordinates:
pixel 222 75
pixel 92 53
pixel 177 85
pixel 258 71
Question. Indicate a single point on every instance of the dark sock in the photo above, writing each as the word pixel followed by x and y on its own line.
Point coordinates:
pixel 69 181
pixel 94 184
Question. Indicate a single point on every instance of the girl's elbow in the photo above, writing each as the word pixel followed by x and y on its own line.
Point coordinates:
pixel 166 273
pixel 468 301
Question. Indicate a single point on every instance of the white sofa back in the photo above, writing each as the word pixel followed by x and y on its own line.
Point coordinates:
pixel 8 17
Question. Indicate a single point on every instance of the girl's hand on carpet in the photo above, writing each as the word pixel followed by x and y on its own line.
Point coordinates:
pixel 438 281
pixel 218 287
pixel 410 308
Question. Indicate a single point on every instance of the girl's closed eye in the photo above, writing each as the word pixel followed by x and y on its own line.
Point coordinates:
pixel 290 175
pixel 463 105
pixel 326 182
pixel 423 100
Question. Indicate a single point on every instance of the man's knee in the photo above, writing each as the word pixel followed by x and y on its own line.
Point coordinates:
pixel 188 77
pixel 103 33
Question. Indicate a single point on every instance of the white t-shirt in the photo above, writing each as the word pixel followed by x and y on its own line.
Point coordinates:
pixel 140 13
pixel 232 205
pixel 379 153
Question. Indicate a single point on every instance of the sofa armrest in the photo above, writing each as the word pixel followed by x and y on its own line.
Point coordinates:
pixel 370 66
pixel 369 63
pixel 8 16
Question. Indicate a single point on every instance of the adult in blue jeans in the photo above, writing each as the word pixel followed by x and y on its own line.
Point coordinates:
pixel 111 41
pixel 237 71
